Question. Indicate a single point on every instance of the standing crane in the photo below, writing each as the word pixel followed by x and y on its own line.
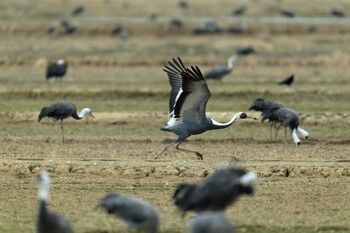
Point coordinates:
pixel 63 110
pixel 219 72
pixel 56 70
pixel 137 213
pixel 216 192
pixel 188 99
pixel 288 118
pixel 210 222
pixel 49 222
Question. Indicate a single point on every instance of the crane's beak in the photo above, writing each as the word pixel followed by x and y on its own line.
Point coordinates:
pixel 248 116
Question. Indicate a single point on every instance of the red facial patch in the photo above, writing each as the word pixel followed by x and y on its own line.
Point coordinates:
pixel 243 115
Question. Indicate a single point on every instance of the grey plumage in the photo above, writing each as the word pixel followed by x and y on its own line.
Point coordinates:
pixel 49 222
pixel 288 118
pixel 63 110
pixel 210 222
pixel 137 213
pixel 219 72
pixel 187 104
pixel 265 107
pixel 216 192
pixel 56 70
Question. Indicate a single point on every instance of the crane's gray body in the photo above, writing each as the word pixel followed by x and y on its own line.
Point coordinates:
pixel 48 222
pixel 265 107
pixel 216 192
pixel 59 111
pixel 210 222
pixel 137 213
pixel 217 73
pixel 286 116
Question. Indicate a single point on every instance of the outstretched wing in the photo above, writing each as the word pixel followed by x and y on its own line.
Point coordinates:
pixel 174 71
pixel 192 102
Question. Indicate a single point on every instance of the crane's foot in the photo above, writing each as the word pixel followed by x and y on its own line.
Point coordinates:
pixel 199 156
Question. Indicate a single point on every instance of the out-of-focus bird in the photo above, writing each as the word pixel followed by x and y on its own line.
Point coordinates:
pixel 137 213
pixel 56 70
pixel 287 81
pixel 121 32
pixel 63 110
pixel 243 51
pixel 337 13
pixel 216 192
pixel 219 72
pixel 78 10
pixel 287 13
pixel 210 222
pixel 240 10
pixel 288 118
pixel 49 222
pixel 187 104
pixel 68 27
pixel 210 27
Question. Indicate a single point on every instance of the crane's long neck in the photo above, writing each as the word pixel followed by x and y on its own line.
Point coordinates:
pixel 230 61
pixel 82 114
pixel 218 125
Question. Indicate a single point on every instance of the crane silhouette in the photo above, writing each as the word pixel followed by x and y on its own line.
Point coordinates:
pixel 63 110
pixel 219 72
pixel 216 192
pixel 187 104
pixel 137 213
pixel 56 70
pixel 49 222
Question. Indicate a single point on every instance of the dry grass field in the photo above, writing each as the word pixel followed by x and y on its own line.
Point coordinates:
pixel 299 189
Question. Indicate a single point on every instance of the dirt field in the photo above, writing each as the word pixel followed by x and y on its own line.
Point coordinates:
pixel 299 189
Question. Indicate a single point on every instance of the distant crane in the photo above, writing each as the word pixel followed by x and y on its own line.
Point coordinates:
pixel 265 107
pixel 219 72
pixel 56 70
pixel 287 13
pixel 288 118
pixel 216 192
pixel 137 213
pixel 49 222
pixel 61 111
pixel 244 51
pixel 210 222
pixel 188 99
pixel 240 10
pixel 287 81
pixel 338 13
pixel 121 32
pixel 78 10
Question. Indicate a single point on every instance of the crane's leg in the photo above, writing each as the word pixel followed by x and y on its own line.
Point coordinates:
pixel 165 149
pixel 276 131
pixel 285 134
pixel 62 130
pixel 272 125
pixel 199 155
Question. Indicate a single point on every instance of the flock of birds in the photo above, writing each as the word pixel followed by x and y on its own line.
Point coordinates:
pixel 208 199
pixel 187 105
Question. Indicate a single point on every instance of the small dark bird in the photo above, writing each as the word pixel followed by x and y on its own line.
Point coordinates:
pixel 120 32
pixel 176 23
pixel 52 28
pixel 288 118
pixel 219 72
pixel 238 29
pixel 265 107
pixel 239 11
pixel 68 27
pixel 49 222
pixel 209 28
pixel 137 213
pixel 243 51
pixel 56 70
pixel 63 110
pixel 288 81
pixel 183 4
pixel 216 192
pixel 288 14
pixel 187 104
pixel 78 10
pixel 210 222
pixel 338 13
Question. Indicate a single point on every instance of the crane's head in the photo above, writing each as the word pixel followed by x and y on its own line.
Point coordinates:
pixel 257 105
pixel 243 115
pixel 61 62
pixel 86 112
